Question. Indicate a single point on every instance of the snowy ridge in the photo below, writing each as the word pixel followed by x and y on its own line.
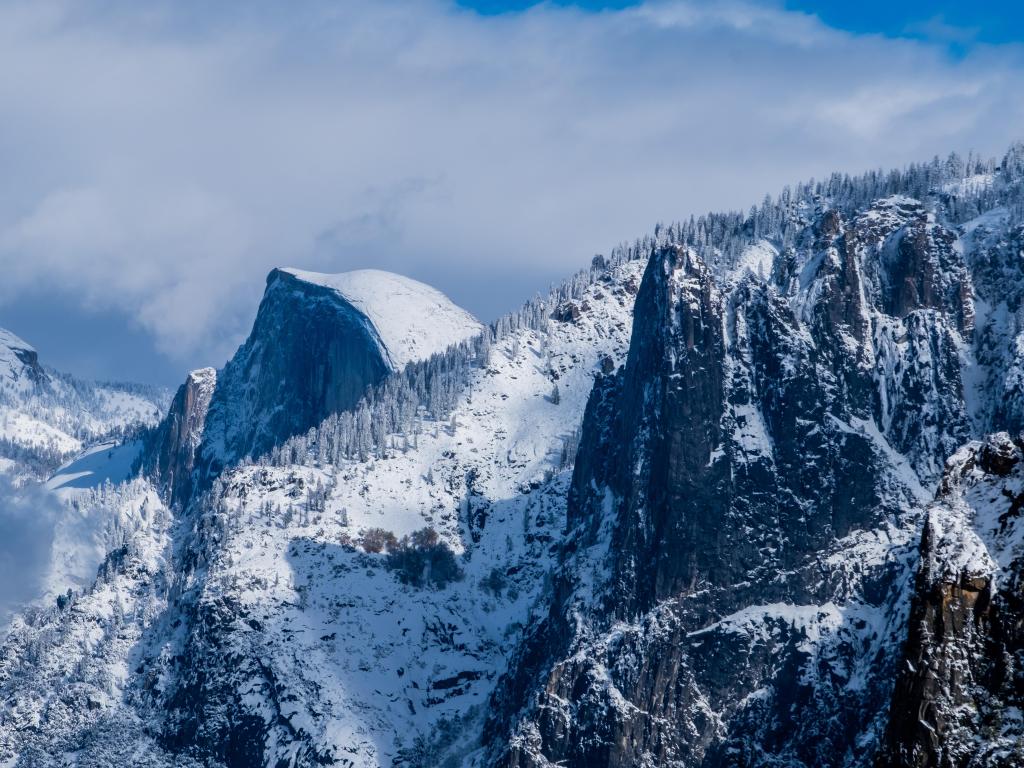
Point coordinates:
pixel 18 361
pixel 47 417
pixel 366 668
pixel 412 319
pixel 490 482
pixel 806 372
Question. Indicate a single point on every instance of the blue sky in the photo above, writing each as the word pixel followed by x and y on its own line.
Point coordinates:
pixel 160 158
pixel 962 23
pixel 951 21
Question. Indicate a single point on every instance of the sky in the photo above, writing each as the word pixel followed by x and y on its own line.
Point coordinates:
pixel 160 158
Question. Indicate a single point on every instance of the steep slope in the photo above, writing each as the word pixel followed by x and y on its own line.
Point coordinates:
pixel 959 697
pixel 327 649
pixel 670 515
pixel 318 342
pixel 744 511
pixel 169 452
pixel 276 631
pixel 47 417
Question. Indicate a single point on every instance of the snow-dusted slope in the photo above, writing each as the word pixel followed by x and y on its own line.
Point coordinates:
pixel 412 319
pixel 53 541
pixel 366 668
pixel 19 363
pixel 337 655
pixel 46 417
pixel 404 568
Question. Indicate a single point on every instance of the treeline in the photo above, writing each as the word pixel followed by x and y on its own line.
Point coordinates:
pixel 77 408
pixel 392 416
pixel 721 237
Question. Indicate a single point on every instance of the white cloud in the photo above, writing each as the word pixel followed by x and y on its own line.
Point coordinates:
pixel 161 161
pixel 27 519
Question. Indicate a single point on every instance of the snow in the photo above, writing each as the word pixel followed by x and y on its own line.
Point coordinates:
pixel 107 462
pixel 973 535
pixel 16 379
pixel 387 661
pixel 813 619
pixel 10 342
pixel 365 665
pixel 47 416
pixel 412 319
pixel 989 220
pixel 23 429
pixel 970 185
pixel 756 259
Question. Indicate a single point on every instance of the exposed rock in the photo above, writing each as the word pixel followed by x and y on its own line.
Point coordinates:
pixel 310 353
pixel 170 452
pixel 960 690
pixel 750 439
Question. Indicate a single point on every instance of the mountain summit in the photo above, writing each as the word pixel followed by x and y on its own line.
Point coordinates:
pixel 743 494
pixel 410 319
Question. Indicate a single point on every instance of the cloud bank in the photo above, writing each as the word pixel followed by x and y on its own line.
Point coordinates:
pixel 160 161
pixel 28 517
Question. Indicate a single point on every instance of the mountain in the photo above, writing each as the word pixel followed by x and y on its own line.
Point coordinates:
pixel 47 417
pixel 958 694
pixel 742 493
pixel 744 518
pixel 318 343
pixel 87 433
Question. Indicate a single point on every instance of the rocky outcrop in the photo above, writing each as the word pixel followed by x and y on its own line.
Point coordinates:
pixel 19 362
pixel 310 353
pixel 960 691
pixel 169 454
pixel 762 430
pixel 913 261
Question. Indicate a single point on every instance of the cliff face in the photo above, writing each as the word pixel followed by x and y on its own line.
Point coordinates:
pixel 684 520
pixel 170 453
pixel 19 362
pixel 743 510
pixel 318 343
pixel 310 353
pixel 960 689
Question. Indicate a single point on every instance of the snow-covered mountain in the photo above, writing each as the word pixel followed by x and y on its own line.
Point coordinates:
pixel 47 417
pixel 741 494
pixel 408 320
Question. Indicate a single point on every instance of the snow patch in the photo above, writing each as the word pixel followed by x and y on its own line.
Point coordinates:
pixel 412 319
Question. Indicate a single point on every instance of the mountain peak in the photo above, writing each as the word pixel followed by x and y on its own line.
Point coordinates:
pixel 412 319
pixel 11 341
pixel 19 361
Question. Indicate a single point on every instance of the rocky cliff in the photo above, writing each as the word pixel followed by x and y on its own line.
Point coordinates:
pixel 960 690
pixel 744 509
pixel 742 494
pixel 169 455
pixel 318 344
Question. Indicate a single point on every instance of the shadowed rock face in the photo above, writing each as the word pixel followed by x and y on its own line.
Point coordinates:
pixel 713 607
pixel 923 270
pixel 961 686
pixel 170 453
pixel 316 347
pixel 310 353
